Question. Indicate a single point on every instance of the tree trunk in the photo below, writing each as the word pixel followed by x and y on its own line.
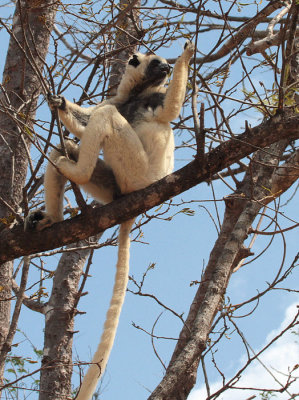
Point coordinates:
pixel 57 366
pixel 21 87
pixel 242 208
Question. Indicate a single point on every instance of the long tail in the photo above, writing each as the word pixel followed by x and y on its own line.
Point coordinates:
pixel 101 356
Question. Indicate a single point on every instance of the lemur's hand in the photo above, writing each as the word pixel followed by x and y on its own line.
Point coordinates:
pixel 189 50
pixel 56 101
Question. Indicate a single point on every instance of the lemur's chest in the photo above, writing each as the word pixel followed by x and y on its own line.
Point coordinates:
pixel 138 109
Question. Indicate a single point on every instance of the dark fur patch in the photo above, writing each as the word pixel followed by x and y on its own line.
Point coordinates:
pixel 63 104
pixel 81 118
pixel 135 107
pixel 103 176
pixel 134 61
pixel 33 219
pixel 157 70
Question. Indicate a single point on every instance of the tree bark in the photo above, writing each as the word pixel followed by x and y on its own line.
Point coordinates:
pixel 57 365
pixel 126 39
pixel 21 87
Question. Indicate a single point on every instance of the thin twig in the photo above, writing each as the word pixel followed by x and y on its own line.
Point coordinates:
pixel 15 317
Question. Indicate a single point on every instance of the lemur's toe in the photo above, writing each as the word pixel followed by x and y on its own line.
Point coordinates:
pixel 189 48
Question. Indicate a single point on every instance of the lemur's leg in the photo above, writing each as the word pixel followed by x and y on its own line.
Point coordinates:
pixel 73 117
pixel 175 94
pixel 123 151
pixel 102 186
pixel 54 184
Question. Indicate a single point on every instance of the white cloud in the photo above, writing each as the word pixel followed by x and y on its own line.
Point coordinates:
pixel 282 356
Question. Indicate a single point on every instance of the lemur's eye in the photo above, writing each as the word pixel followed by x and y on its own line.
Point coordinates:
pixel 134 61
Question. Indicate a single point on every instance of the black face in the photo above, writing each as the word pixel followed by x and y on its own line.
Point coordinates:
pixel 155 74
pixel 157 71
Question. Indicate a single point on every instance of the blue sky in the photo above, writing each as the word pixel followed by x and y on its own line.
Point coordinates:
pixel 179 249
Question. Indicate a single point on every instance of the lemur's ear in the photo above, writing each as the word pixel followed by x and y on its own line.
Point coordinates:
pixel 134 61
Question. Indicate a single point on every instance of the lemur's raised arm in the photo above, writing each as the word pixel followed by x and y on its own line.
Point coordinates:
pixel 133 130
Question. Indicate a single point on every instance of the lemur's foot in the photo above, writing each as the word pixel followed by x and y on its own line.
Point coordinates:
pixel 72 149
pixel 189 49
pixel 37 221
pixel 66 166
pixel 70 170
pixel 56 101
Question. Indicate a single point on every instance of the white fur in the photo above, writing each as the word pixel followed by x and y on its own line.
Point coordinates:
pixel 139 154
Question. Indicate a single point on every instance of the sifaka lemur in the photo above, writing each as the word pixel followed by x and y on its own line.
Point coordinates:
pixel 133 131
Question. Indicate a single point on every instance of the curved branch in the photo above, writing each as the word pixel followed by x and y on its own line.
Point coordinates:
pixel 267 41
pixel 285 175
pixel 243 33
pixel 34 305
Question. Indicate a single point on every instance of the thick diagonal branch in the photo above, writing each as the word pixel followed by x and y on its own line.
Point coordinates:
pixel 16 243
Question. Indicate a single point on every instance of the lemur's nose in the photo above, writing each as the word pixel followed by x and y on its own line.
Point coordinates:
pixel 165 68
